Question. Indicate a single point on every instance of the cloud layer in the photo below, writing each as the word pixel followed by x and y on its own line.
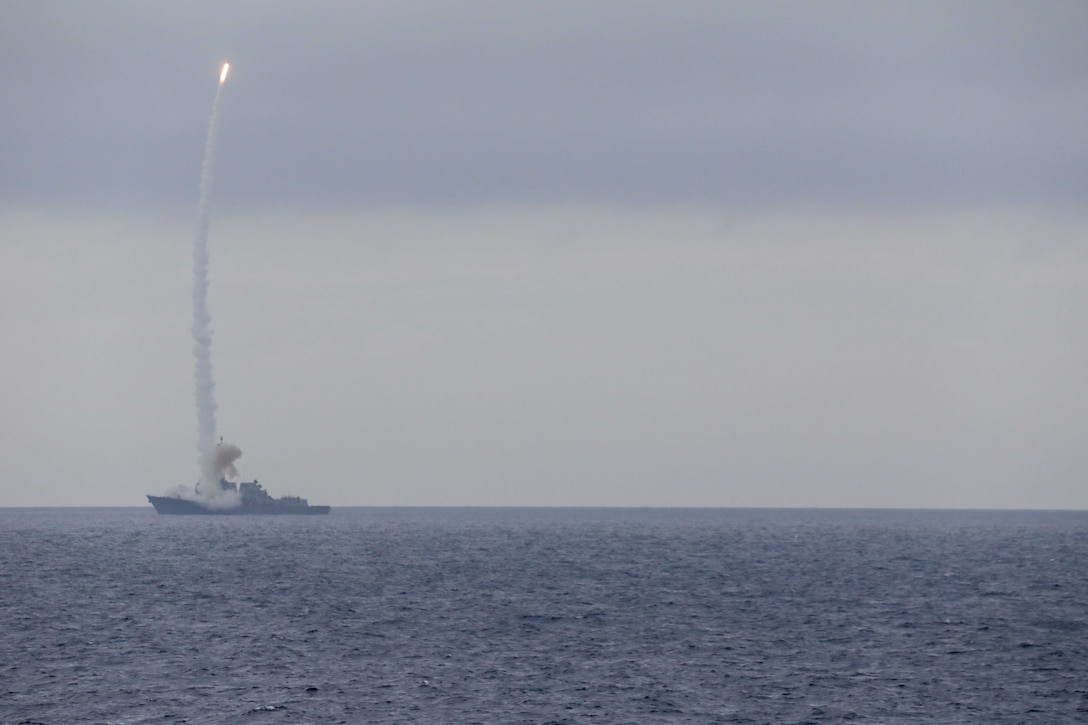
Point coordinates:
pixel 743 103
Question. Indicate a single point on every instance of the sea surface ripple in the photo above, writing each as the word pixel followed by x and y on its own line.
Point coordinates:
pixel 544 616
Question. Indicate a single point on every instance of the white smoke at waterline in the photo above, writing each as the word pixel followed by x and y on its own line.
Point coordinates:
pixel 211 497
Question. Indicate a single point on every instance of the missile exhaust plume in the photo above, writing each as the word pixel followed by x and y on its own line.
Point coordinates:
pixel 204 392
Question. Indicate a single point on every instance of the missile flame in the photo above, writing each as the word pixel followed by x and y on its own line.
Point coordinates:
pixel 223 73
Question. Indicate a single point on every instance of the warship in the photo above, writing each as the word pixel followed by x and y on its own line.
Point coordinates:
pixel 250 496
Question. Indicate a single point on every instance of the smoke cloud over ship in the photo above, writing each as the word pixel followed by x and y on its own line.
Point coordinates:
pixel 212 494
pixel 225 456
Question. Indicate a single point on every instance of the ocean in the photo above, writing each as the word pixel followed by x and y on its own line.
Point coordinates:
pixel 476 615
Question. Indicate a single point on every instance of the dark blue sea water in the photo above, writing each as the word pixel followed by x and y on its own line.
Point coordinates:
pixel 544 616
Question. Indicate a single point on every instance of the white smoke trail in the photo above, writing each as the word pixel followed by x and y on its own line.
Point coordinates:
pixel 202 337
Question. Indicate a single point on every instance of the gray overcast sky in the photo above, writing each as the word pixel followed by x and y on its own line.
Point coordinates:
pixel 562 253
